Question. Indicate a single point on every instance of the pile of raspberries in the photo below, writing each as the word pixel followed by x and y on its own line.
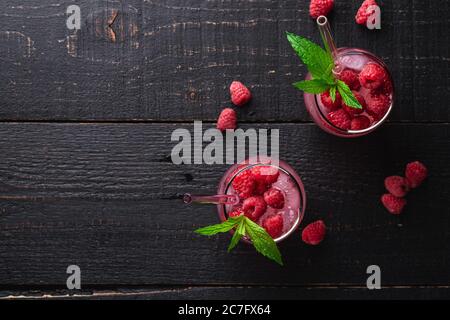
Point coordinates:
pixel 398 187
pixel 254 186
pixel 372 77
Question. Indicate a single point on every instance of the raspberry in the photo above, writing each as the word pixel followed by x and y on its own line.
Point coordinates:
pixel 378 105
pixel 244 184
pixel 328 103
pixel 416 173
pixel 240 94
pixel 362 14
pixel 372 76
pixel 360 123
pixel 274 198
pixel 386 88
pixel 353 111
pixel 393 204
pixel 227 119
pixel 265 174
pixel 236 212
pixel 260 187
pixel 274 225
pixel 320 8
pixel 350 77
pixel 340 119
pixel 397 186
pixel 254 207
pixel 314 233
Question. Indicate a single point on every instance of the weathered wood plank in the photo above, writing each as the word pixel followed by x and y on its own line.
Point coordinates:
pixel 236 293
pixel 103 196
pixel 173 60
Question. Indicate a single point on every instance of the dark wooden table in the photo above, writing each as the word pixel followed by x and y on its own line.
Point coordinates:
pixel 85 170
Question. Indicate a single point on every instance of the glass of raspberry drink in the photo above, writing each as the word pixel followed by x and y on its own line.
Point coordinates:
pixel 272 195
pixel 371 83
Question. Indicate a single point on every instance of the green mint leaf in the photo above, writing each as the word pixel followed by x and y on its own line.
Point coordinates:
pixel 347 95
pixel 333 93
pixel 317 60
pixel 221 227
pixel 262 241
pixel 330 79
pixel 238 234
pixel 315 86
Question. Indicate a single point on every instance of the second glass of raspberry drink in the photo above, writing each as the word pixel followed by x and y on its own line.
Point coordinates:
pixel 370 81
pixel 269 193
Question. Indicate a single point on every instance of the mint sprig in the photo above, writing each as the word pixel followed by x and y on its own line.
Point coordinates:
pixel 262 241
pixel 347 95
pixel 217 228
pixel 313 86
pixel 320 65
pixel 317 60
pixel 259 237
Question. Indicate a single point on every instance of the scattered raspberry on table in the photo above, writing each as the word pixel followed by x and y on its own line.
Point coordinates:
pixel 320 8
pixel 416 173
pixel 363 13
pixel 314 233
pixel 240 94
pixel 392 203
pixel 397 186
pixel 227 119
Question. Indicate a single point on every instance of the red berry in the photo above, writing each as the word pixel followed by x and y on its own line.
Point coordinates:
pixel 386 88
pixel 353 111
pixel 265 174
pixel 274 225
pixel 362 14
pixel 254 207
pixel 392 203
pixel 378 105
pixel 260 187
pixel 372 76
pixel 360 123
pixel 314 233
pixel 274 198
pixel 320 8
pixel 236 212
pixel 244 184
pixel 350 77
pixel 328 103
pixel 240 94
pixel 416 173
pixel 340 118
pixel 397 186
pixel 227 119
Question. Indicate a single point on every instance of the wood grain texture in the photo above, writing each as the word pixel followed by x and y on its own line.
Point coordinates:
pixel 235 293
pixel 104 197
pixel 83 187
pixel 174 59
